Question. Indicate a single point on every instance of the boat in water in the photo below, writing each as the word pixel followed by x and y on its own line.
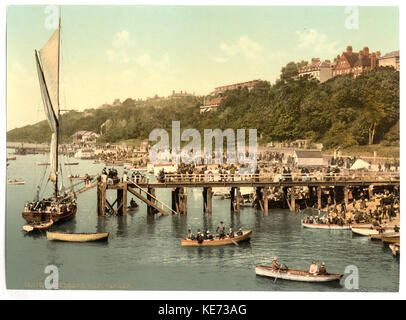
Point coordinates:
pixel 61 206
pixel 77 237
pixel 379 236
pixel 246 235
pixel 395 248
pixel 38 226
pixel 15 181
pixel 370 230
pixel 71 163
pixel 42 163
pixel 328 226
pixel 391 239
pixel 296 275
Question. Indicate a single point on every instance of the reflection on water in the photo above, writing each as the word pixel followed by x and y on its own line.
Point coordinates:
pixel 147 252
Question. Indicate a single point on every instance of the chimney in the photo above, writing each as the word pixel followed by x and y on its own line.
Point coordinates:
pixel 373 61
pixel 366 51
pixel 315 60
pixel 349 49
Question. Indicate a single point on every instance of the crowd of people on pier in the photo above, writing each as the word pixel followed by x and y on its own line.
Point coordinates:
pixel 384 208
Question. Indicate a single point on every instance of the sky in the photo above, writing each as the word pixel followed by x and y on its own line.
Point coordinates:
pixel 110 52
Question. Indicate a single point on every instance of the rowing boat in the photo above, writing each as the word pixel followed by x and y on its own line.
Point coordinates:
pixel 71 163
pixel 15 182
pixel 395 248
pixel 77 237
pixel 393 239
pixel 42 163
pixel 384 234
pixel 296 275
pixel 367 231
pixel 38 226
pixel 328 226
pixel 246 235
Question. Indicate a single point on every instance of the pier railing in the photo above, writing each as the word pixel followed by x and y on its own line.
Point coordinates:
pixel 272 177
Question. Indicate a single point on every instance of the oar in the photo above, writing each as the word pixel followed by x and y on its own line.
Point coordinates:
pixel 277 274
pixel 234 242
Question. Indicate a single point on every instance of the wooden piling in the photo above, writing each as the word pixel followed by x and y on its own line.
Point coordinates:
pixel 265 194
pixel 184 200
pixel 238 200
pixel 346 196
pixel 371 192
pixel 119 201
pixel 209 200
pixel 232 198
pixel 101 199
pixel 319 197
pixel 292 199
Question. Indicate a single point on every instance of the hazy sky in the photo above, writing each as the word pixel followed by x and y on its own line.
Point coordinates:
pixel 110 52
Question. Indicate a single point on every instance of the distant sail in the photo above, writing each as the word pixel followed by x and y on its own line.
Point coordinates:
pixel 48 73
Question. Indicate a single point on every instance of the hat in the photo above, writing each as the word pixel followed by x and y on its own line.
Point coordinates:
pixel 275 258
pixel 322 263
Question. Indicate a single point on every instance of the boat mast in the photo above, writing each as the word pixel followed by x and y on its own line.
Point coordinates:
pixel 57 128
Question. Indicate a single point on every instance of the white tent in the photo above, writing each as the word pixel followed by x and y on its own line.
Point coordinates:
pixel 360 164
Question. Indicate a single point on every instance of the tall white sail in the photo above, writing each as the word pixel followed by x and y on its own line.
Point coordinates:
pixel 47 60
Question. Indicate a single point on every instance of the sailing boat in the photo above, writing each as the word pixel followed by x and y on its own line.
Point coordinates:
pixel 59 207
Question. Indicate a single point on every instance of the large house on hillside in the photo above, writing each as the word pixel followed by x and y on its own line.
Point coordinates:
pixel 247 84
pixel 308 158
pixel 321 71
pixel 391 59
pixel 212 104
pixel 84 136
pixel 355 63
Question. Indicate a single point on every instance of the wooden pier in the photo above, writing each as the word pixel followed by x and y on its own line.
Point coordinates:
pixel 338 189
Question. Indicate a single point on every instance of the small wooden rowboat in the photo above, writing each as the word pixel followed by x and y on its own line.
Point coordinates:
pixel 395 248
pixel 38 226
pixel 81 177
pixel 71 163
pixel 367 231
pixel 246 235
pixel 296 275
pixel 333 226
pixel 42 163
pixel 77 237
pixel 15 182
pixel 394 239
pixel 385 234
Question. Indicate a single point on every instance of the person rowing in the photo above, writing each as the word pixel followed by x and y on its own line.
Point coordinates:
pixel 199 237
pixel 209 236
pixel 322 269
pixel 231 233
pixel 190 235
pixel 275 264
pixel 314 269
pixel 239 232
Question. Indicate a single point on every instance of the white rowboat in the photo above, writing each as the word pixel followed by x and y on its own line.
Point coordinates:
pixel 295 275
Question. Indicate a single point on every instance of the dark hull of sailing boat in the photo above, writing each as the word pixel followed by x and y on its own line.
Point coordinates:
pixel 36 216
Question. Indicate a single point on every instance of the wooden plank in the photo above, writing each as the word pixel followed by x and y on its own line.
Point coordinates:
pixel 139 196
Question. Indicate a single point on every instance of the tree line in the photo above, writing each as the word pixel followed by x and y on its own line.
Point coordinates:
pixel 343 111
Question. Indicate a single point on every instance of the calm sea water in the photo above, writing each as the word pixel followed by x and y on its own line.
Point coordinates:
pixel 144 253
